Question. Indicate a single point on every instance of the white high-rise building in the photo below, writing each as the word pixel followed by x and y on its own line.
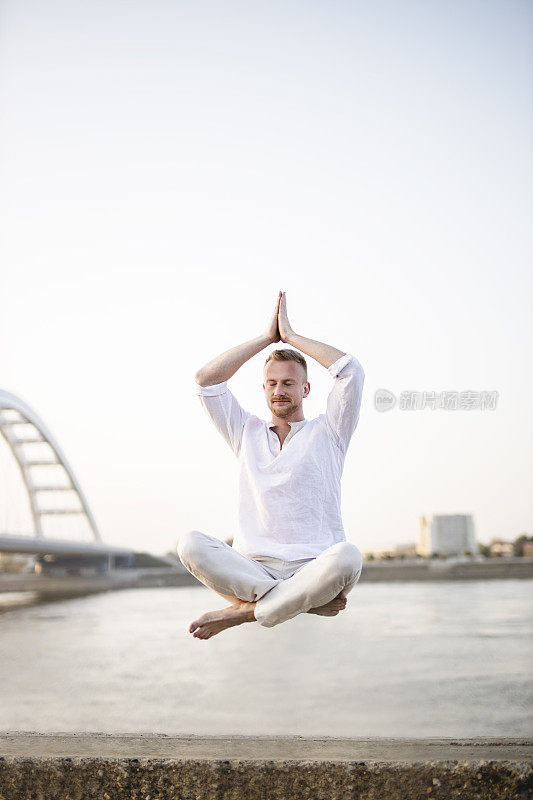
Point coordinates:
pixel 447 534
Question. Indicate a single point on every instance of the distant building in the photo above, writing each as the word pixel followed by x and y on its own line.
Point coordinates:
pixel 447 534
pixel 16 562
pixel 528 550
pixel 377 554
pixel 501 548
pixel 408 550
pixel 401 550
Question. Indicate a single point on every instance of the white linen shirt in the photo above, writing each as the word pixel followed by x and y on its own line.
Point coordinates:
pixel 289 503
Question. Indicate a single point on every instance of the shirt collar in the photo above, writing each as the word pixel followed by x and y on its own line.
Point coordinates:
pixel 292 424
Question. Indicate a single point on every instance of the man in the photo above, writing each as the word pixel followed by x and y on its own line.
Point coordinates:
pixel 290 555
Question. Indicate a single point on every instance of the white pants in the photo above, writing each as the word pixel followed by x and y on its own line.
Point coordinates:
pixel 280 589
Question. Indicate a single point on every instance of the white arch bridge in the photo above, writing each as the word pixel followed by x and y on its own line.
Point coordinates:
pixel 43 510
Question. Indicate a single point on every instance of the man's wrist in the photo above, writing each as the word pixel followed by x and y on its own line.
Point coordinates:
pixel 290 339
pixel 264 340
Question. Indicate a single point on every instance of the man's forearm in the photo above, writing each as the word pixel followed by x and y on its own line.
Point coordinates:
pixel 222 367
pixel 325 354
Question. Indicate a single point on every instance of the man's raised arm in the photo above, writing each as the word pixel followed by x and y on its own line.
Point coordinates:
pixel 222 367
pixel 344 400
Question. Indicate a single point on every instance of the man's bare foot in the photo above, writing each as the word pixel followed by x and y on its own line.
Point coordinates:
pixel 332 608
pixel 212 622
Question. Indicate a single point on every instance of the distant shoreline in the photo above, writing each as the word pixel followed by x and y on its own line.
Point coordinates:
pixel 56 587
pixel 447 569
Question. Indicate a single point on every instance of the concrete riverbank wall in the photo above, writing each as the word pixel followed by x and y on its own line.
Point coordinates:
pixel 84 766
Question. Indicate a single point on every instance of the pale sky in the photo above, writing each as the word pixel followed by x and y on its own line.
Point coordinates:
pixel 167 167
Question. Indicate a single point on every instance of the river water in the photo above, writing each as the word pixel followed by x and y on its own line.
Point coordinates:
pixel 404 659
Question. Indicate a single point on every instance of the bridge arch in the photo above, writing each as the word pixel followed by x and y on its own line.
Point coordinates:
pixel 33 446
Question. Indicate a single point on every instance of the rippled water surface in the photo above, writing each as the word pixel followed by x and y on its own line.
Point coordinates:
pixel 404 659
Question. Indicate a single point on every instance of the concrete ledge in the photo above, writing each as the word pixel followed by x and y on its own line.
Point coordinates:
pixel 149 767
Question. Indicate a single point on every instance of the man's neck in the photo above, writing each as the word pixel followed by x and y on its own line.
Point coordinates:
pixel 282 423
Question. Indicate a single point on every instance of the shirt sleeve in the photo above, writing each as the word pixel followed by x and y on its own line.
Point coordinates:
pixel 225 412
pixel 344 400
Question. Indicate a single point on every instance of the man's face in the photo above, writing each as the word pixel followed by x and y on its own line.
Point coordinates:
pixel 285 387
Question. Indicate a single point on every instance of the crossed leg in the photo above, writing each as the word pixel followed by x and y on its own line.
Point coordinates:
pixel 239 580
pixel 212 622
pixel 319 587
pixel 327 578
pixel 330 609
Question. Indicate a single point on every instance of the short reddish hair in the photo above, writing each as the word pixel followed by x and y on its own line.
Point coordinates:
pixel 288 355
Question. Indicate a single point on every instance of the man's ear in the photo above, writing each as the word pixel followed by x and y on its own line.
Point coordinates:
pixel 308 385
